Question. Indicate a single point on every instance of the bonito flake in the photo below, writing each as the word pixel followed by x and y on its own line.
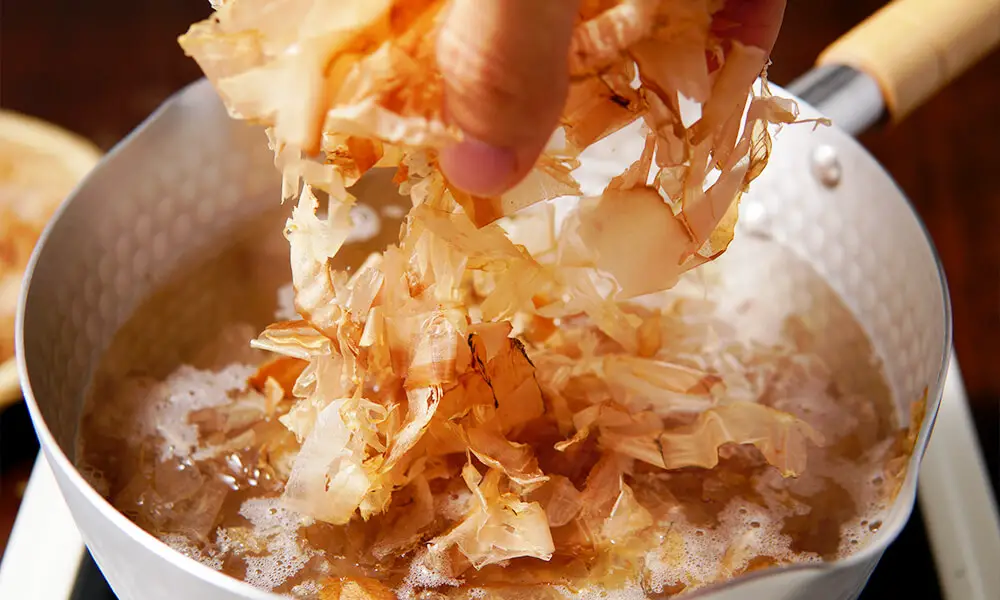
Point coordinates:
pixel 483 338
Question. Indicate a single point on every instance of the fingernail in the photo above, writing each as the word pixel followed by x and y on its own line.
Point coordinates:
pixel 478 168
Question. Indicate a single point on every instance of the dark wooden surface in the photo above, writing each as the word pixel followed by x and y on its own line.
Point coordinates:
pixel 99 67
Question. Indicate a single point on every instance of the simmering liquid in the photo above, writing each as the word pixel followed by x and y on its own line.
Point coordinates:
pixel 179 441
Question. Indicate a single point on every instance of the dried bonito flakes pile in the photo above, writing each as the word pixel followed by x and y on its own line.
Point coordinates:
pixel 503 349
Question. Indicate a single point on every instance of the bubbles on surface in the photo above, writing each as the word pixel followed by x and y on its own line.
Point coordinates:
pixel 272 551
pixel 95 477
pixel 428 570
pixel 306 590
pixel 455 505
pixel 278 528
pixel 162 408
pixel 182 544
pixel 694 556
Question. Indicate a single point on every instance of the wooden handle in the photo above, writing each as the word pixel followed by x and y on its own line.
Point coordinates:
pixel 913 48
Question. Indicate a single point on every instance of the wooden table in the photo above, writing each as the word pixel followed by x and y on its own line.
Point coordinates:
pixel 100 67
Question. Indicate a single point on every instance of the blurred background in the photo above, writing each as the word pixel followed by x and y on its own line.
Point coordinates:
pixel 99 67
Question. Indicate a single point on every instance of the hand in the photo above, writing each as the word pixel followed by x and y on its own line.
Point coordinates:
pixel 505 74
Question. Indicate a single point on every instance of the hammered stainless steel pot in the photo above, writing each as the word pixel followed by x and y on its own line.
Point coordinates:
pixel 190 176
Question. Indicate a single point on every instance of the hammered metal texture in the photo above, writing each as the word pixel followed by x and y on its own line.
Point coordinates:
pixel 866 243
pixel 159 204
pixel 159 200
pixel 860 235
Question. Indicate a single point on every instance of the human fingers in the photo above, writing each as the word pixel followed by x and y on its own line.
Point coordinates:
pixel 752 22
pixel 505 72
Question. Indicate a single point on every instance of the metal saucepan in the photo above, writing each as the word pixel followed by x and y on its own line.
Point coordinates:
pixel 190 175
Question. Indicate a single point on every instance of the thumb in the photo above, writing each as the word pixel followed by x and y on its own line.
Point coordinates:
pixel 506 77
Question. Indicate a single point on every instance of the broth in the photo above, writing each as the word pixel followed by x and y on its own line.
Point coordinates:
pixel 175 437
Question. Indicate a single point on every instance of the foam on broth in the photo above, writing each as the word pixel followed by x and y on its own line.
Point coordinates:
pixel 176 374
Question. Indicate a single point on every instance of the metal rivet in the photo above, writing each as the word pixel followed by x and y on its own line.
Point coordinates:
pixel 753 212
pixel 826 166
pixel 754 220
pixel 366 223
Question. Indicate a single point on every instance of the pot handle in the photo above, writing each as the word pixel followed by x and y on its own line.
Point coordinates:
pixel 913 48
